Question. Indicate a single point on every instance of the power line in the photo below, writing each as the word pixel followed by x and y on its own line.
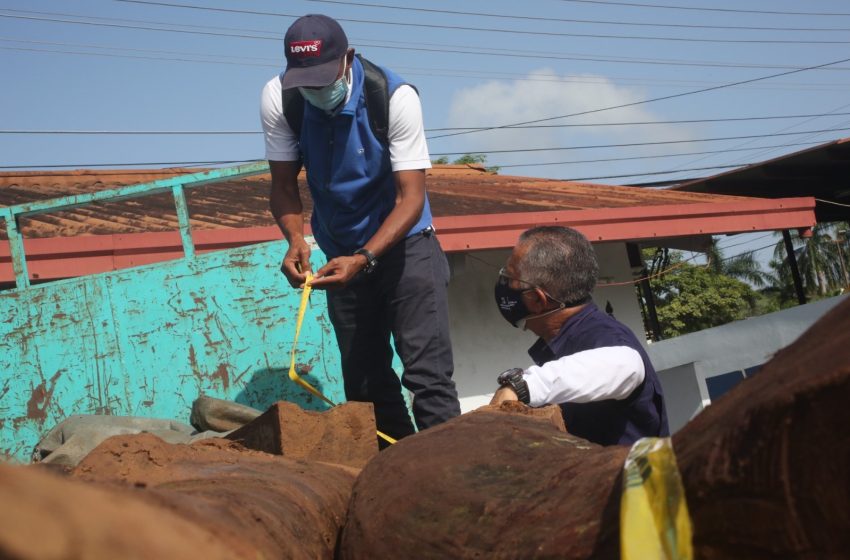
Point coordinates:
pixel 134 132
pixel 433 154
pixel 575 179
pixel 443 48
pixel 606 160
pixel 632 144
pixel 137 164
pixel 640 123
pixel 240 59
pixel 215 162
pixel 465 73
pixel 809 86
pixel 569 20
pixel 654 99
pixel 536 33
pixel 730 10
pixel 743 242
pixel 595 125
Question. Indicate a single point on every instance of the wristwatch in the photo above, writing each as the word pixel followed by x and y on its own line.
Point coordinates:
pixel 513 378
pixel 371 261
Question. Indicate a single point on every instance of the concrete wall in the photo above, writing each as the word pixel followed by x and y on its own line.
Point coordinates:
pixel 687 361
pixel 485 344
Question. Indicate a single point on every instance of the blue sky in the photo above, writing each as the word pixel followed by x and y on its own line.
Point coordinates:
pixel 473 69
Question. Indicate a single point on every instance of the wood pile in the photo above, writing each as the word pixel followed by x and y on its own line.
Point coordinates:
pixel 765 471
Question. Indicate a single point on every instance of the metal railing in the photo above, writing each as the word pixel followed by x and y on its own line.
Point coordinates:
pixel 176 185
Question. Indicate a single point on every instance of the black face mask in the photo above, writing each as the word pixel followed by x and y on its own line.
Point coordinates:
pixel 511 306
pixel 510 302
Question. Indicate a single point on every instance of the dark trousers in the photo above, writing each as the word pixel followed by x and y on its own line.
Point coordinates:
pixel 406 296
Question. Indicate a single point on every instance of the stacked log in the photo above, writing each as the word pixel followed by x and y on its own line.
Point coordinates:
pixel 136 496
pixel 765 471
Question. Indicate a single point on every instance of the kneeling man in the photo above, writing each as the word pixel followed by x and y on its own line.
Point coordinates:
pixel 585 360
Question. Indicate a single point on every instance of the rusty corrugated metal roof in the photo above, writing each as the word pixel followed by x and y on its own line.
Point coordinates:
pixel 453 191
pixel 820 171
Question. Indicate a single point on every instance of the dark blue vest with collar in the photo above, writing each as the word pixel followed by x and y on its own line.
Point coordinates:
pixel 349 172
pixel 609 422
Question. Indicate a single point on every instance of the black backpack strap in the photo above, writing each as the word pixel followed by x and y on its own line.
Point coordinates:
pixel 375 90
pixel 293 108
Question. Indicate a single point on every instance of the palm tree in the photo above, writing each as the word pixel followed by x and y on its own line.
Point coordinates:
pixel 743 267
pixel 819 260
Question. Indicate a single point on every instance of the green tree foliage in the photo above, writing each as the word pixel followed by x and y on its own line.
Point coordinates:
pixel 468 159
pixel 692 298
pixel 822 259
pixel 744 267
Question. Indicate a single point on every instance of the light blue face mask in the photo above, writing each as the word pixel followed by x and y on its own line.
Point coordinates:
pixel 328 97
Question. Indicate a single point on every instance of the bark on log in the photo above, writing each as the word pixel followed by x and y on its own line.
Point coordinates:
pixel 47 516
pixel 765 471
pixel 258 505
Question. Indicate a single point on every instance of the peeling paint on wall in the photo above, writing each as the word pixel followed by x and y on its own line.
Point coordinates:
pixel 148 341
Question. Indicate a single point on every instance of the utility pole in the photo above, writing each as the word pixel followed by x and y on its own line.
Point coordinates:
pixel 795 271
pixel 838 240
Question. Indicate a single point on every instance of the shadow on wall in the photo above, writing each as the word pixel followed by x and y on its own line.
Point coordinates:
pixel 269 385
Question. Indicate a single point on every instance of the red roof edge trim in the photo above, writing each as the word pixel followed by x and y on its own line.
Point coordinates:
pixel 63 257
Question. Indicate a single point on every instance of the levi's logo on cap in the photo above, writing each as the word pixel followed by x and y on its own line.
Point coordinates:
pixel 306 48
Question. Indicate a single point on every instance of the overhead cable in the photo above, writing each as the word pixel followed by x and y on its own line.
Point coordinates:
pixel 631 144
pixel 550 18
pixel 593 124
pixel 653 99
pixel 658 156
pixel 654 173
pixel 443 48
pixel 536 33
pixel 703 9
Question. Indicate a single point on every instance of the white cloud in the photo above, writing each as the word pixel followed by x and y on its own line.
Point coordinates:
pixel 545 94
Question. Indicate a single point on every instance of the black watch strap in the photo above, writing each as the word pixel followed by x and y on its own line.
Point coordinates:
pixel 371 261
pixel 514 379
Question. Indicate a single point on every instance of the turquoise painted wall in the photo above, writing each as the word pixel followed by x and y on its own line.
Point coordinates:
pixel 147 341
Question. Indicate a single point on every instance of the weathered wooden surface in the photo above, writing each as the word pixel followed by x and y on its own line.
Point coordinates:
pixel 343 435
pixel 487 485
pixel 551 413
pixel 766 466
pixel 258 505
pixel 147 341
pixel 45 516
pixel 764 469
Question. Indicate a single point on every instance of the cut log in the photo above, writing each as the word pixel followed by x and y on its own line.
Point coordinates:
pixel 343 435
pixel 550 414
pixel 45 516
pixel 258 505
pixel 764 469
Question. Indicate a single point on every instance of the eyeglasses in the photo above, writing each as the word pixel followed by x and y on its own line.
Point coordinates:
pixel 505 278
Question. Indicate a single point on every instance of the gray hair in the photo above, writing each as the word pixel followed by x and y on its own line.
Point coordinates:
pixel 561 261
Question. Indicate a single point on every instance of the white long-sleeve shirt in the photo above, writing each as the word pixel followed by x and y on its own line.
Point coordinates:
pixel 609 372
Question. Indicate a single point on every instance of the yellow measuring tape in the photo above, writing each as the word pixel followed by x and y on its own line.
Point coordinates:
pixel 654 520
pixel 293 375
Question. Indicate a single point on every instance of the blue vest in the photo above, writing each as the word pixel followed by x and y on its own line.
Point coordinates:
pixel 349 172
pixel 609 422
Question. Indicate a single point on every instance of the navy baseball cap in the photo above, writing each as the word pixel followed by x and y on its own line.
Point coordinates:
pixel 314 46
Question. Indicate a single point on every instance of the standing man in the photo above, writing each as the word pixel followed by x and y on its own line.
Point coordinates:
pixel 585 360
pixel 386 273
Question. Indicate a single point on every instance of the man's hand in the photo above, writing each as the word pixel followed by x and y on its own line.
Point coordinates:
pixel 296 263
pixel 504 394
pixel 338 272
